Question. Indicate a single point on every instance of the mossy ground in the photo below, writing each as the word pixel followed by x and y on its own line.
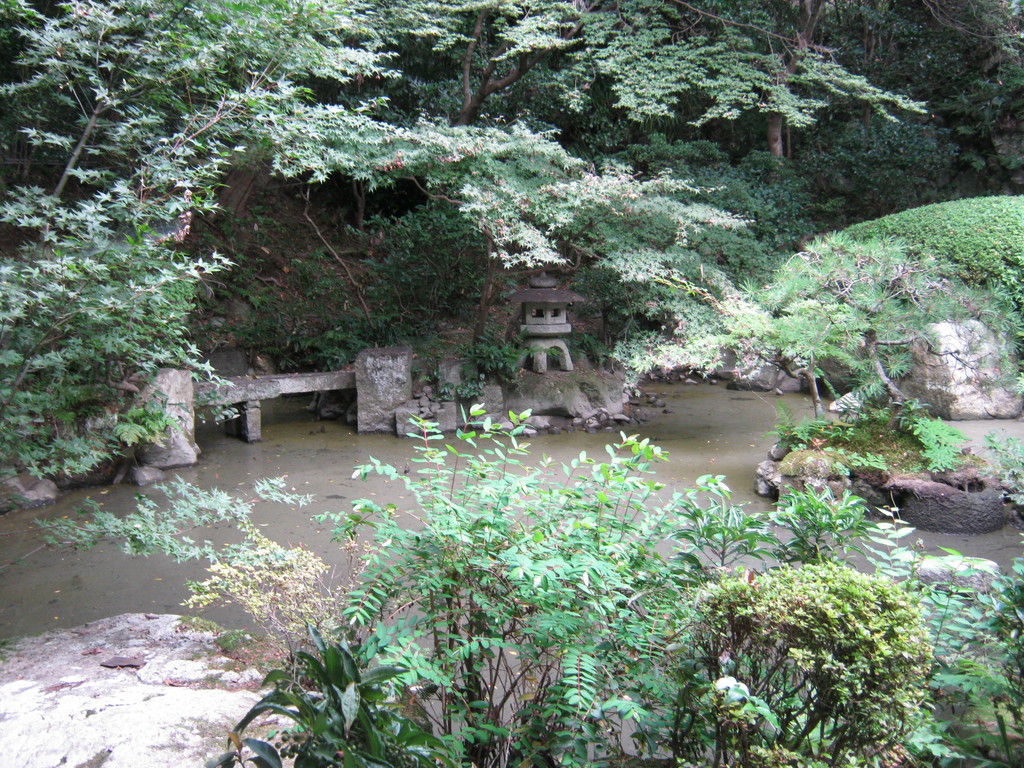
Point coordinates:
pixel 871 442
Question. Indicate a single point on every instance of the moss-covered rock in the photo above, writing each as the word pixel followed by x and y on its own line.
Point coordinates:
pixel 812 463
pixel 816 469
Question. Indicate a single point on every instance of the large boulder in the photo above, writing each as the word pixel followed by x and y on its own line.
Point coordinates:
pixel 442 414
pixel 571 394
pixel 229 361
pixel 964 373
pixel 767 479
pixel 27 492
pixel 766 378
pixel 754 376
pixel 173 388
pixel 123 692
pixel 383 382
pixel 958 571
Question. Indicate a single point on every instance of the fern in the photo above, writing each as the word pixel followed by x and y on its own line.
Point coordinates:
pixel 940 443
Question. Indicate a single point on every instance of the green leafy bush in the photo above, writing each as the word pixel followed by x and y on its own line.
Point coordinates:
pixel 344 715
pixel 819 526
pixel 493 357
pixel 528 604
pixel 1007 455
pixel 822 661
pixel 548 613
pixel 774 197
pixel 284 589
pixel 718 534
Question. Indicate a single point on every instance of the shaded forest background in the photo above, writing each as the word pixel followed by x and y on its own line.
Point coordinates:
pixel 307 179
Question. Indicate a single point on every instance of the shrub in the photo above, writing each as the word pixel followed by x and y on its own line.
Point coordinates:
pixel 530 604
pixel 283 589
pixel 981 239
pixel 820 526
pixel 344 714
pixel 822 661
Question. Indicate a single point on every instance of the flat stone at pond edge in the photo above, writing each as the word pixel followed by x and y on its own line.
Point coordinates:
pixel 27 492
pixel 59 707
pixel 147 475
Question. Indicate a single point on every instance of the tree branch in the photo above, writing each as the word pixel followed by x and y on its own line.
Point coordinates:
pixel 101 107
pixel 337 257
pixel 433 195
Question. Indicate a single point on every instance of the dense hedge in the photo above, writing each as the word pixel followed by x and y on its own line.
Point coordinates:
pixel 981 238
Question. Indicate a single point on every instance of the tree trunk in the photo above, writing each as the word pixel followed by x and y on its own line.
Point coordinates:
pixel 90 126
pixel 486 293
pixel 775 143
pixel 239 184
pixel 812 387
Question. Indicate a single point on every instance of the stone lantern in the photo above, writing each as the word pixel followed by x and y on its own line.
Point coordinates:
pixel 545 321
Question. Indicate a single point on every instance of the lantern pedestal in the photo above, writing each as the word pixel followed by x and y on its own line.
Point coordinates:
pixel 538 348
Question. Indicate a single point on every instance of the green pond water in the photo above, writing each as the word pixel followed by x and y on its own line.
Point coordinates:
pixel 708 430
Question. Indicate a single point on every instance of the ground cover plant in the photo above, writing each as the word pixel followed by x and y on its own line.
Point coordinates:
pixel 880 439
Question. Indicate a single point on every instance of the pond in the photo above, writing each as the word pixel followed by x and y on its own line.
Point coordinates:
pixel 706 430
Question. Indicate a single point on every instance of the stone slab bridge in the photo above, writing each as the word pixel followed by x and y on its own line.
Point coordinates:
pixel 381 378
pixel 246 392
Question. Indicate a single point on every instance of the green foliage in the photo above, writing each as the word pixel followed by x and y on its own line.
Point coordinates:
pixel 880 439
pixel 150 529
pixel 818 526
pixel 344 715
pixel 725 64
pixel 860 303
pixel 872 170
pixel 975 669
pixel 1007 455
pixel 146 423
pixel 822 661
pixel 305 328
pixel 130 111
pixel 284 590
pixel 540 611
pixel 719 534
pixel 1007 622
pixel 980 240
pixel 527 607
pixel 78 325
pixel 494 357
pixel 772 196
pixel 940 443
pixel 426 268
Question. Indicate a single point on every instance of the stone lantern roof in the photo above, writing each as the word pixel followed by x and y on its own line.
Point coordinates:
pixel 544 290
